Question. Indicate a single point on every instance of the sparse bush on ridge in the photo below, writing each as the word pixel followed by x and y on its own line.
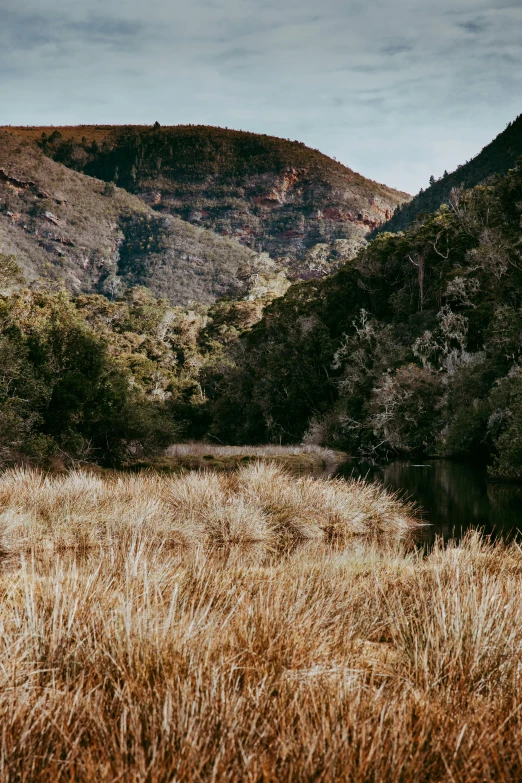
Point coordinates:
pixel 495 159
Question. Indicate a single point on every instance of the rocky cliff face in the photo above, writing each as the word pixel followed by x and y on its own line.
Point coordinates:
pixel 285 215
pixel 65 229
pixel 272 195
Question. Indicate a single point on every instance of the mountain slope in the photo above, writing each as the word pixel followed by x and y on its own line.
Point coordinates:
pixel 271 194
pixel 496 158
pixel 68 229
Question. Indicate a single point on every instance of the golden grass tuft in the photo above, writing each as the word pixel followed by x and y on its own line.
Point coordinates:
pixel 261 502
pixel 357 659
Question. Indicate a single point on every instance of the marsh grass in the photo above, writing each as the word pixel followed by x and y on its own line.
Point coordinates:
pixel 269 451
pixel 260 502
pixel 337 657
pixel 299 460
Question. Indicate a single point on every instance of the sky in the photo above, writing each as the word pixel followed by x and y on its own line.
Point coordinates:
pixel 395 89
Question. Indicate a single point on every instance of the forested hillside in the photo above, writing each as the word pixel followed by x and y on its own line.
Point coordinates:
pixel 274 195
pixel 68 230
pixel 414 347
pixel 496 158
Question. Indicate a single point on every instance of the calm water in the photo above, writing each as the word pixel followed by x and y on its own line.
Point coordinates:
pixel 454 496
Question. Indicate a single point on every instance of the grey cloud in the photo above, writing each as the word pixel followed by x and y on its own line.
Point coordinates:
pixel 104 29
pixel 474 26
pixel 30 31
pixel 23 31
pixel 232 55
pixel 396 48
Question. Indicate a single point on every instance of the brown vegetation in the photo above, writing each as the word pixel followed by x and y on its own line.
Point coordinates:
pixel 260 502
pixel 361 661
pixel 67 230
pixel 297 459
pixel 271 194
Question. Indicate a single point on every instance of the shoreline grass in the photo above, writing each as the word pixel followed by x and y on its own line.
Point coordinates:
pixel 258 503
pixel 299 460
pixel 350 657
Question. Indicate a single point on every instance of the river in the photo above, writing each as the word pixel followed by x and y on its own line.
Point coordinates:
pixel 454 496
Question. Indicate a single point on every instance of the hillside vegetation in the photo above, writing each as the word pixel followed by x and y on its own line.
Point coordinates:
pixel 84 378
pixel 66 229
pixel 496 158
pixel 275 195
pixel 415 347
pixel 412 348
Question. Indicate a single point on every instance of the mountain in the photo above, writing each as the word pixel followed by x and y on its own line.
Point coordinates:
pixel 64 228
pixel 306 210
pixel 495 159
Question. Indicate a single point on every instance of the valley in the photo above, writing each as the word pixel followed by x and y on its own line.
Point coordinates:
pixel 376 349
pixel 260 392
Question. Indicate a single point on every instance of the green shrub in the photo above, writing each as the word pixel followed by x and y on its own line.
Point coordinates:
pixel 63 395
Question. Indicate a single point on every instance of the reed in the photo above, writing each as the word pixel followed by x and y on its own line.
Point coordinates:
pixel 260 502
pixel 337 657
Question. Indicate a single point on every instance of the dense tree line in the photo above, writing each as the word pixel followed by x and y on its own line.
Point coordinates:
pixel 62 395
pixel 89 379
pixel 189 152
pixel 415 347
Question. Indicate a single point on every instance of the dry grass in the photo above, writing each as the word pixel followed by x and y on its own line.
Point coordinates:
pixel 357 661
pixel 297 459
pixel 200 449
pixel 259 503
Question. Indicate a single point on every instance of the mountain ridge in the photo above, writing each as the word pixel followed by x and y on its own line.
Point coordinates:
pixel 68 229
pixel 273 195
pixel 495 159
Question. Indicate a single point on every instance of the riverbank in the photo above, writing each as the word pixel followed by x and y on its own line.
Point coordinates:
pixel 259 503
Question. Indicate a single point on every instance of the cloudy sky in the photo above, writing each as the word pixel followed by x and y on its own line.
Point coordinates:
pixel 395 89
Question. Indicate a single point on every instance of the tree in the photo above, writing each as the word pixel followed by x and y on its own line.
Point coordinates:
pixel 61 387
pixel 10 271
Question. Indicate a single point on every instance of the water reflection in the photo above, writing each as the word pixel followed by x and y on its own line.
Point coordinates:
pixel 454 496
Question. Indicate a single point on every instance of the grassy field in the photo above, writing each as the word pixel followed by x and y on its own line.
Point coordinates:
pixel 249 627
